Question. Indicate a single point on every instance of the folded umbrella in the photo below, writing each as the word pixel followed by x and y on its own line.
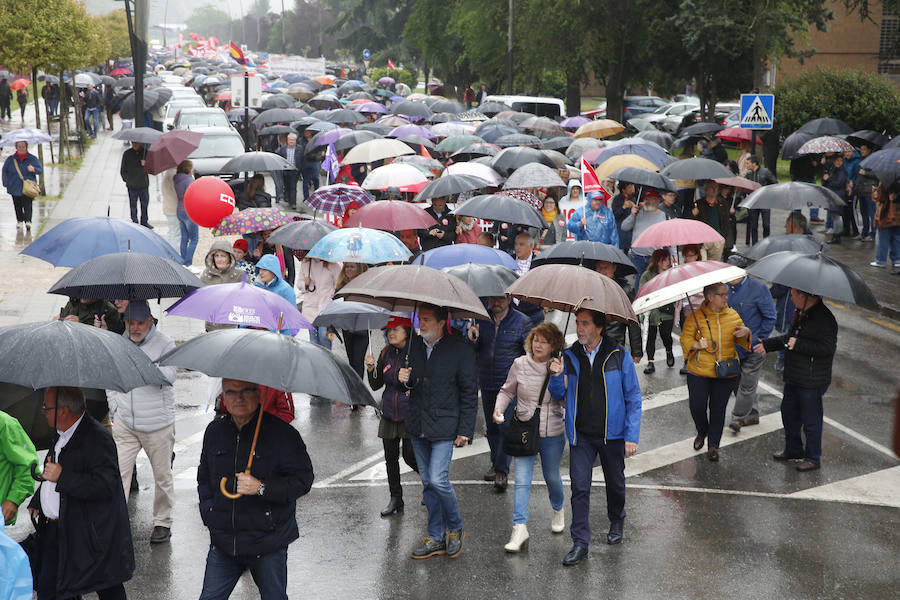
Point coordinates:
pixel 127 276
pixel 485 280
pixel 676 232
pixel 506 209
pixel 681 281
pixel 257 162
pixel 301 235
pixel 251 220
pixel 359 244
pixel 334 199
pixel 584 253
pixel 533 175
pixel 791 242
pixel 696 169
pixel 460 254
pixel 391 215
pixel 793 195
pixel 169 149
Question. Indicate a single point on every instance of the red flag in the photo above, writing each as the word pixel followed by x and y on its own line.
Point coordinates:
pixel 342 72
pixel 391 65
pixel 424 151
pixel 590 181
pixel 194 36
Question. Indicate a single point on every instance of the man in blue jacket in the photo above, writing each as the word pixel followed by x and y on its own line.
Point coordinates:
pixel 603 417
pixel 753 302
pixel 595 222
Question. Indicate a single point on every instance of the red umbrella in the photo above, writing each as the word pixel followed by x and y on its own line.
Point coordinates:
pixel 223 96
pixel 736 134
pixel 170 149
pixel 120 71
pixel 19 84
pixel 391 215
pixel 676 232
pixel 738 183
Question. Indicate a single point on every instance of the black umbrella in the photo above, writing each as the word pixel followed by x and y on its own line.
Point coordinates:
pixel 497 207
pixel 354 138
pixel 701 129
pixel 826 126
pixel 276 130
pixel 449 185
pixel 894 143
pixel 473 151
pixel 275 115
pixel 492 131
pixel 485 280
pixel 510 159
pixel 324 101
pixel 793 143
pixel 257 162
pixel 24 404
pixel 584 253
pixel 237 114
pixel 144 135
pixel 447 106
pixel 127 276
pixel 320 126
pixel 696 169
pixel 685 142
pixel 127 110
pixel 512 140
pixel 660 138
pixel 301 235
pixel 278 101
pixel 353 316
pixel 793 195
pixel 163 95
pixel 870 138
pixel 441 118
pixel 121 82
pixel 643 178
pixel 815 274
pixel 345 115
pixel 53 353
pixel 492 108
pixel 557 143
pixel 411 109
pixel 789 242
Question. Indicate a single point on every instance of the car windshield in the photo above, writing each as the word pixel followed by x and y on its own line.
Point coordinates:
pixel 661 110
pixel 202 119
pixel 174 107
pixel 218 146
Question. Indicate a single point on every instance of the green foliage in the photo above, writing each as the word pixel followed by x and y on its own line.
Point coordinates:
pixel 40 33
pixel 400 76
pixel 115 30
pixel 863 100
pixel 206 19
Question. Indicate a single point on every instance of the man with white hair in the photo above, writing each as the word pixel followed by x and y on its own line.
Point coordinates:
pixel 292 153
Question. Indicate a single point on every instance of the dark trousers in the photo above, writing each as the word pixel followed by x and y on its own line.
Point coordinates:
pixel 709 393
pixel 5 108
pixel 49 557
pixel 753 224
pixel 310 178
pixel 665 332
pixel 581 466
pixel 142 195
pixel 269 572
pixel 356 343
pixel 23 207
pixel 494 431
pixel 801 409
pixel 392 462
pixel 290 187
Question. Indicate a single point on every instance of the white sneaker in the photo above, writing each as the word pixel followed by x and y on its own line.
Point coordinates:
pixel 28 225
pixel 519 538
pixel 877 264
pixel 558 523
pixel 829 230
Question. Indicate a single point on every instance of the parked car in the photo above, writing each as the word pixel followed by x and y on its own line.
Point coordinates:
pixel 217 146
pixel 632 107
pixel 176 104
pixel 541 106
pixel 197 117
pixel 663 112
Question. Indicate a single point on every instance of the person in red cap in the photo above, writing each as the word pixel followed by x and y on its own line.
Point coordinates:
pixel 394 402
pixel 241 250
pixel 643 215
pixel 351 208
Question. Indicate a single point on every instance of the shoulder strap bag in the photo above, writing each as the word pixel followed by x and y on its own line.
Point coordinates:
pixel 30 188
pixel 522 438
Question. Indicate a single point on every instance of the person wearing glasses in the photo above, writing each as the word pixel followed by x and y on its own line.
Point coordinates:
pixel 710 336
pixel 253 531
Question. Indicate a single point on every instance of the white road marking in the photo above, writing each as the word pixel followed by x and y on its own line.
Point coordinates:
pixel 881 487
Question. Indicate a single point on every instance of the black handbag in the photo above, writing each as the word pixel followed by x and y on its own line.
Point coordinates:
pixel 523 438
pixel 724 368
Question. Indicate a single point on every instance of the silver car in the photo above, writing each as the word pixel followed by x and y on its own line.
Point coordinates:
pixel 217 146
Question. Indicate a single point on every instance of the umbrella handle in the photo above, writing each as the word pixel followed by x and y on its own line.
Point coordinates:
pixel 224 480
pixel 34 472
pixel 225 491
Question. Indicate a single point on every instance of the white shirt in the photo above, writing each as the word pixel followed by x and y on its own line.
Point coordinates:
pixel 49 495
pixel 593 352
pixel 523 266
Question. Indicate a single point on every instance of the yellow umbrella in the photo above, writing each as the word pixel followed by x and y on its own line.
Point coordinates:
pixel 600 128
pixel 610 165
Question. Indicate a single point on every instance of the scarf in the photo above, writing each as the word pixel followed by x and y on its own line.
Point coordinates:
pixel 465 227
pixel 549 217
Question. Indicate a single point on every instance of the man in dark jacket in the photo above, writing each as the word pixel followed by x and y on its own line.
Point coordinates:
pixel 292 153
pixel 444 232
pixel 442 406
pixel 497 344
pixel 132 172
pixel 252 531
pixel 863 190
pixel 93 111
pixel 85 535
pixel 5 99
pixel 809 352
pixel 615 329
pixel 714 150
pixel 762 176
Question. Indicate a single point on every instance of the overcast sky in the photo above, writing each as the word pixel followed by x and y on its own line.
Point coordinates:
pixel 177 11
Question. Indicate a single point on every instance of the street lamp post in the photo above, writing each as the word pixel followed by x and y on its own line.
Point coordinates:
pixel 509 52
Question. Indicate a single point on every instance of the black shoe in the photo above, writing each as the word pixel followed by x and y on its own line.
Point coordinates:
pixel 699 441
pixel 160 535
pixel 615 532
pixel 736 425
pixel 808 465
pixel 575 555
pixel 489 474
pixel 134 482
pixel 713 454
pixel 501 480
pixel 147 225
pixel 784 455
pixel 394 506
pixel 455 541
pixel 429 548
pixel 670 359
pixel 650 368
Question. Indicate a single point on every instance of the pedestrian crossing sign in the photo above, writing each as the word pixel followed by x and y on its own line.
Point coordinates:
pixel 757 111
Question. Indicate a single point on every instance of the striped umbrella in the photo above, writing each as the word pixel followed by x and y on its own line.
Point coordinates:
pixel 334 199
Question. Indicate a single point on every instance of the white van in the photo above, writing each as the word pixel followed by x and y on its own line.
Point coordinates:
pixel 537 105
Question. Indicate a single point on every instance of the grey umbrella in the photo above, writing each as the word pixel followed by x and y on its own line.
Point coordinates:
pixel 278 101
pixel 411 109
pixel 276 130
pixel 659 137
pixel 533 175
pixel 275 115
pixel 644 178
pixel 696 169
pixel 127 110
pixel 353 316
pixel 793 195
pixel 271 359
pixel 144 135
pixel 447 106
pixel 485 280
pixel 344 115
pixel 542 125
pixel 506 209
pixel 257 162
pixel 449 185
pixel 63 353
pixel 492 108
pixel 127 276
pixel 558 143
pixel 584 253
pixel 518 139
pixel 791 242
pixel 354 138
pixel 510 159
pixel 301 235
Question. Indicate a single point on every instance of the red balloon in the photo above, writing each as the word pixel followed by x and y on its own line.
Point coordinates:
pixel 208 200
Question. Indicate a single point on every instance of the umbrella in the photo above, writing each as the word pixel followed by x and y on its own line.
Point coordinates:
pixel 558 143
pixel 791 242
pixel 883 161
pixel 320 126
pixel 510 159
pixel 643 178
pixel 696 168
pixel 449 106
pixel 29 135
pixel 580 146
pixel 492 108
pixel 449 185
pixel 329 136
pixel 391 215
pixel 428 165
pixel 122 82
pixel 257 162
pixel 275 115
pixel 354 138
pixel 533 175
pixel 793 195
pixel 361 245
pixel 457 142
pixel 826 126
pixel 739 183
pixel 605 169
pixel 19 84
pixel 276 130
pixel 676 232
pixel 345 115
pixel 251 220
pixel 701 129
pixel 460 254
pixel 120 71
pixel 404 177
pixel 411 109
pixel 491 132
pixel 512 140
pixel 127 276
pixel 542 125
pixel 736 134
pixel 271 359
pixel 410 129
pixel 375 150
pixel 392 121
pixel 77 240
pixel 570 288
pixel 302 234
pixel 559 159
pixel 682 281
pixel 815 274
pixel 387 81
pixel 127 109
pixel 870 138
pixel 524 196
pixel 792 144
pixel 455 128
pixel 495 207
pixel 170 149
pixel 372 107
pixel 404 288
pixel 237 114
pixel 53 353
pixel 241 304
pixel 574 122
pixel 480 171
pixel 24 405
pixel 334 199
pixel 661 138
pixel 602 128
pixel 583 253
pixel 352 316
pixel 323 101
pixel 474 151
pixel 649 151
pixel 144 135
pixel 824 144
pixel 485 280
pixel 417 142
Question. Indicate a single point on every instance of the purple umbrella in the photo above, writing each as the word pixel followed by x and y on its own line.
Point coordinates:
pixel 574 122
pixel 240 304
pixel 411 130
pixel 372 107
pixel 387 81
pixel 329 137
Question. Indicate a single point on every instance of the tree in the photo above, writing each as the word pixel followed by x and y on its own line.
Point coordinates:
pixel 432 42
pixel 115 30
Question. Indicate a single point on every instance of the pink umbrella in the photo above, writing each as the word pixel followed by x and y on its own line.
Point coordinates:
pixel 738 183
pixel 736 134
pixel 120 71
pixel 170 149
pixel 677 232
pixel 682 281
pixel 391 215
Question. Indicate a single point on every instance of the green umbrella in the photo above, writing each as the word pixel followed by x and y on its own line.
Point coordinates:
pixel 457 142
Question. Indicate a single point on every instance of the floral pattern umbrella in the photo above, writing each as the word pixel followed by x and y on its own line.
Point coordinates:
pixel 824 144
pixel 251 220
pixel 524 196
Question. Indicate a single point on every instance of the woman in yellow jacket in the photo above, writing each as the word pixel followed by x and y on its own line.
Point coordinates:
pixel 720 329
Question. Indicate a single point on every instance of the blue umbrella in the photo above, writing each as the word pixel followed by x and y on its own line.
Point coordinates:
pixel 460 254
pixel 77 240
pixel 360 245
pixel 651 152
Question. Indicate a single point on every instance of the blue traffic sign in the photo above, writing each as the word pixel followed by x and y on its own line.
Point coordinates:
pixel 757 111
pixel 366 54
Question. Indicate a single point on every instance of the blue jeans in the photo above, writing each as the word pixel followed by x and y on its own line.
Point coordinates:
pixel 433 459
pixel 269 573
pixel 814 212
pixel 319 336
pixel 551 456
pixel 867 210
pixel 888 244
pixel 640 263
pixel 801 409
pixel 92 121
pixel 495 432
pixel 310 178
pixel 581 470
pixel 190 235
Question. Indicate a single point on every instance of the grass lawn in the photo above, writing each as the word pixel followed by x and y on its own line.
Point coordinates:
pixel 783 166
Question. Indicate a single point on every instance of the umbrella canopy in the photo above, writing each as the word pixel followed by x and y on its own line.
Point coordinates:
pixel 361 245
pixel 55 353
pixel 792 144
pixel 523 195
pixel 475 170
pixel 144 135
pixel 605 169
pixel 353 316
pixel 884 161
pixel 405 288
pixel 127 276
pixel 543 126
pixel 495 207
pixel 815 274
pixel 77 240
pixel 240 304
pixel 404 177
pixel 29 135
pixel 793 195
pixel 736 134
pixel 696 169
pixel 460 254
pixel 570 288
pixel 739 183
pixel 251 220
pixel 510 159
pixel 20 84
pixel 491 131
pixel 580 146
pixel 533 175
pixel 518 139
pixel 275 115
pixel 376 149
pixel 450 106
pixel 599 129
pixel 676 232
pixel 419 110
pixel 334 199
pixel 127 109
pixel 276 130
pixel 473 151
pixel 647 150
pixel 661 138
pixel 354 138
pixel 449 185
pixel 457 142
pixel 558 143
pixel 453 128
pixel 391 215
pixel 826 126
pixel 574 122
pixel 492 108
pixel 273 360
pixel 24 405
pixel 301 235
pixel 701 129
pixel 644 178
pixel 790 242
pixel 411 129
pixel 584 253
pixel 345 115
pixel 329 136
pixel 682 281
pixel 170 149
pixel 825 144
pixel 257 162
pixel 485 280
pixel 870 138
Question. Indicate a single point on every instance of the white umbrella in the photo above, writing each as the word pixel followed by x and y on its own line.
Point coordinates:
pixel 476 170
pixel 448 129
pixel 533 175
pixel 685 287
pixel 26 134
pixel 402 175
pixel 373 150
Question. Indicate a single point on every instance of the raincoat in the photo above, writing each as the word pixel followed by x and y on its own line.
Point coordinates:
pixel 16 457
pixel 600 225
pixel 279 286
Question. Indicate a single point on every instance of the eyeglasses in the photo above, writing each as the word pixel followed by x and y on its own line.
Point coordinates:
pixel 245 394
pixel 45 407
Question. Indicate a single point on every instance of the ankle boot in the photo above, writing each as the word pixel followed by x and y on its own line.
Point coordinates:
pixel 394 506
pixel 519 538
